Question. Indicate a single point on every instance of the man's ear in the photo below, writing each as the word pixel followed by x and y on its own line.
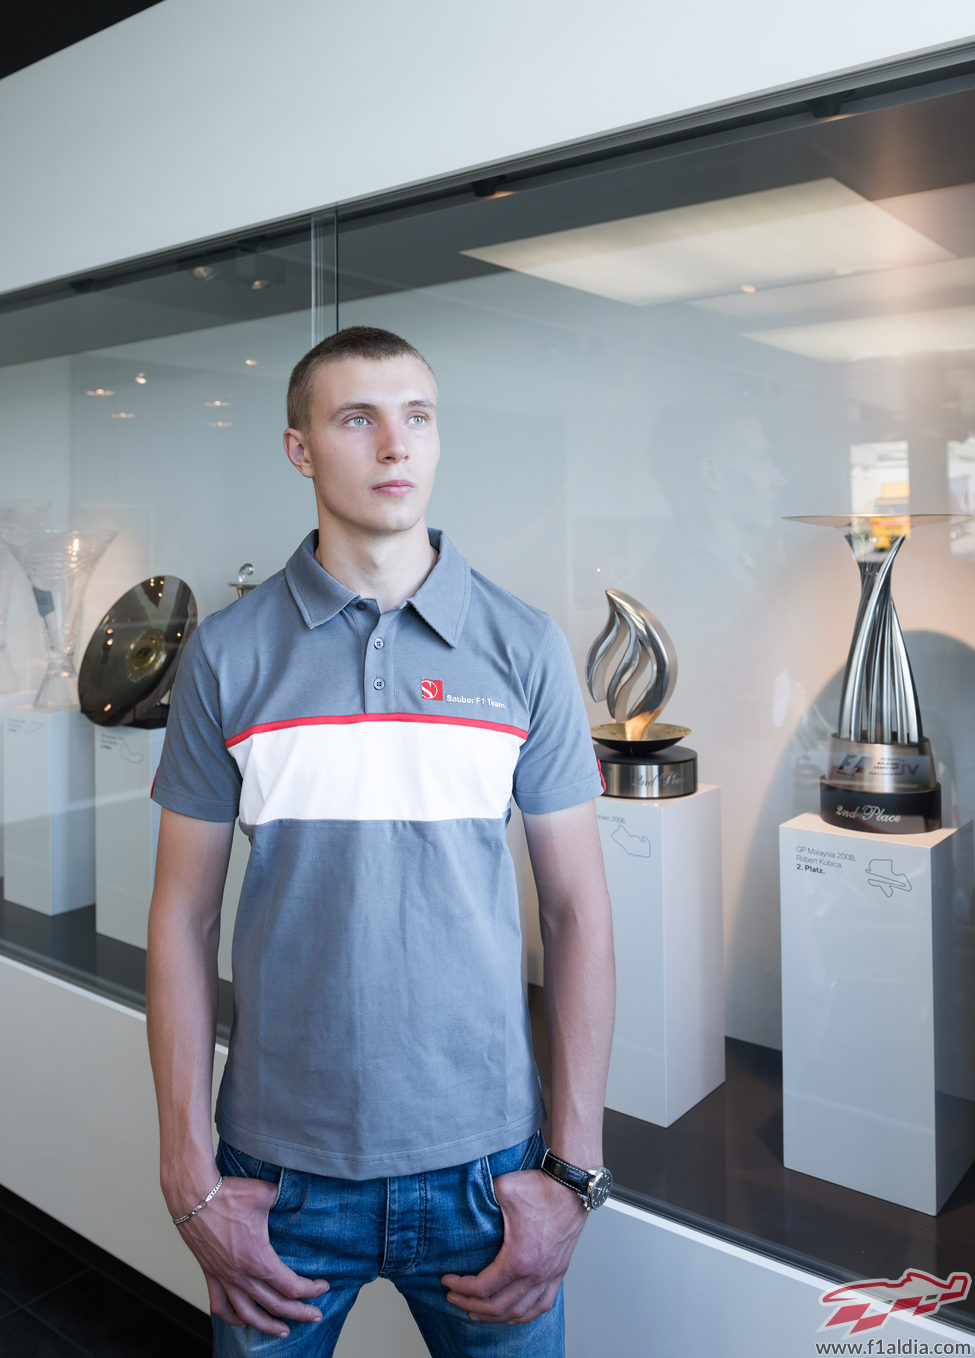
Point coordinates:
pixel 294 446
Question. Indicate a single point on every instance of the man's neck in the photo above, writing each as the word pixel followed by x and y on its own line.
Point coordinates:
pixel 389 568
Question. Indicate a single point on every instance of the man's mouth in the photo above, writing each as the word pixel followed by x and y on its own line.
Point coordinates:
pixel 395 487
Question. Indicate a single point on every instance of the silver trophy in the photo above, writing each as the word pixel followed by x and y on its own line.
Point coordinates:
pixel 632 666
pixel 880 774
pixel 59 565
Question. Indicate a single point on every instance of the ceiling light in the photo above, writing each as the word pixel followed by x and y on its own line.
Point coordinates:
pixel 774 237
pixel 203 273
pixel 250 362
pixel 122 415
pixel 141 379
pixel 945 330
pixel 749 287
pixel 220 424
pixel 99 391
pixel 216 404
pixel 866 291
pixel 260 283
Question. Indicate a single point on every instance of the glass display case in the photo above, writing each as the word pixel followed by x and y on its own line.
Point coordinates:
pixel 647 362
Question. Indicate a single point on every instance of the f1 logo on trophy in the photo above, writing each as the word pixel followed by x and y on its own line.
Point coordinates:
pixel 880 773
pixel 632 664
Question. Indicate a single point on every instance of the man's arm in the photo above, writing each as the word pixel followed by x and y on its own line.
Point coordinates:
pixel 247 1282
pixel 542 1218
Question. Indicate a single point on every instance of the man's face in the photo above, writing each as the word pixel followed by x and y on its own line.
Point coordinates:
pixel 371 446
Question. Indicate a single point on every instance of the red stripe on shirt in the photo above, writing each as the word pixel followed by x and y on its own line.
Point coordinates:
pixel 355 718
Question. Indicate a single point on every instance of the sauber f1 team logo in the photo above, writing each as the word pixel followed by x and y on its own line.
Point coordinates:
pixel 432 688
pixel 868 1305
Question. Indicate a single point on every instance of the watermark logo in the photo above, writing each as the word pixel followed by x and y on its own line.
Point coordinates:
pixel 864 1306
pixel 432 688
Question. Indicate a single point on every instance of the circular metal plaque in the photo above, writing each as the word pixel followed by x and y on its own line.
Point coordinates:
pixel 130 662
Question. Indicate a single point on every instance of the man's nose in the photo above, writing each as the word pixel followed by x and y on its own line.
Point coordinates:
pixel 391 445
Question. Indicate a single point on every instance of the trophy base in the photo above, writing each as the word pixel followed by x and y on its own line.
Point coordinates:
pixel 881 813
pixel 651 774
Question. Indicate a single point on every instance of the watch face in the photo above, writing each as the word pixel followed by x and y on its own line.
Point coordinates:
pixel 600 1187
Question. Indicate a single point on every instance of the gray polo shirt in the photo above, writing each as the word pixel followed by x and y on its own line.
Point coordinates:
pixel 380 1025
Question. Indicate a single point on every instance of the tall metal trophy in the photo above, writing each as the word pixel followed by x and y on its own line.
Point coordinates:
pixel 880 774
pixel 632 665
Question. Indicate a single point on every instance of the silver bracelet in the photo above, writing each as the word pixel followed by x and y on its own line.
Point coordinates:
pixel 178 1221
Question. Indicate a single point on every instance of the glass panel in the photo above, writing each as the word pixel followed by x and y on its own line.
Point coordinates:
pixel 646 366
pixel 152 405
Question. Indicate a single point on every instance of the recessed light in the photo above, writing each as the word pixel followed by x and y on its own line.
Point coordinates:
pixel 99 391
pixel 216 404
pixel 122 415
pixel 203 273
pixel 749 287
pixel 220 424
pixel 250 362
pixel 141 379
pixel 260 283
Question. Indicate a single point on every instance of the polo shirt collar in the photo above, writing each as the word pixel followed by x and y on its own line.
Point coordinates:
pixel 441 601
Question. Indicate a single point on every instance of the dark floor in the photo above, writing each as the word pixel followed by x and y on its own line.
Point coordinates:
pixel 61 1297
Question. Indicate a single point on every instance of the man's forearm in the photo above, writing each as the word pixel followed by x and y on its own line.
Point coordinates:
pixel 182 1005
pixel 577 934
pixel 579 1005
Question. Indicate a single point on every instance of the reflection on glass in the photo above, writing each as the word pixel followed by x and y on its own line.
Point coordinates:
pixel 16 516
pixel 58 564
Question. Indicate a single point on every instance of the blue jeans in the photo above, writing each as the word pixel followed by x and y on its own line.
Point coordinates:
pixel 411 1230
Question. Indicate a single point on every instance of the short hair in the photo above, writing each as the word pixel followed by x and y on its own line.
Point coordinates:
pixel 356 341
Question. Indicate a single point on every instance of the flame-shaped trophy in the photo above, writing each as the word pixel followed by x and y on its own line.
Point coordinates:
pixel 632 665
pixel 880 774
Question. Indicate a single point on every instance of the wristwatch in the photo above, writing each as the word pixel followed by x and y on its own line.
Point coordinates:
pixel 593 1185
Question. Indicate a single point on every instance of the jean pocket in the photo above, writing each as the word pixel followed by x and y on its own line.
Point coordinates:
pixel 237 1164
pixel 526 1155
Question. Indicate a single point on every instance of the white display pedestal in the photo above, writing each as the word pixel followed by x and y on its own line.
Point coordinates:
pixel 878 1009
pixel 663 867
pixel 48 807
pixel 126 829
pixel 8 700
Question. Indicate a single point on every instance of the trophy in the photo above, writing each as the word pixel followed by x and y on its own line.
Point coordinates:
pixel 880 774
pixel 58 565
pixel 245 581
pixel 18 516
pixel 130 662
pixel 632 665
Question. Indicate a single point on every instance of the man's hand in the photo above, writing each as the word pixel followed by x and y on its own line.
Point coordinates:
pixel 247 1282
pixel 542 1222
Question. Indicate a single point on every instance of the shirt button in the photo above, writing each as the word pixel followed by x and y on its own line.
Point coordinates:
pixel 361 605
pixel 379 683
pixel 379 643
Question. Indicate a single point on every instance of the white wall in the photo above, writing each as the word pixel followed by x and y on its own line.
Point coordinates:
pixel 198 117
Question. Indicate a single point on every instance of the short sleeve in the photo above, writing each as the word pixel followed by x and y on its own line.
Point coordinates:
pixel 197 776
pixel 556 766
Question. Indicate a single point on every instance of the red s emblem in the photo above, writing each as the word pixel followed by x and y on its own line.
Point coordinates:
pixel 432 688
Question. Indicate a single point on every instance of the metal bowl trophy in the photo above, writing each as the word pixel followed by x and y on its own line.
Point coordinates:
pixel 632 664
pixel 880 774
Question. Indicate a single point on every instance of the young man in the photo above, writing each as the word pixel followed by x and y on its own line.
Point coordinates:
pixel 368 713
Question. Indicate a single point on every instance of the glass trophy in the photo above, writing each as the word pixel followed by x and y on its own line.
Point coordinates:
pixel 17 516
pixel 632 665
pixel 880 774
pixel 58 563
